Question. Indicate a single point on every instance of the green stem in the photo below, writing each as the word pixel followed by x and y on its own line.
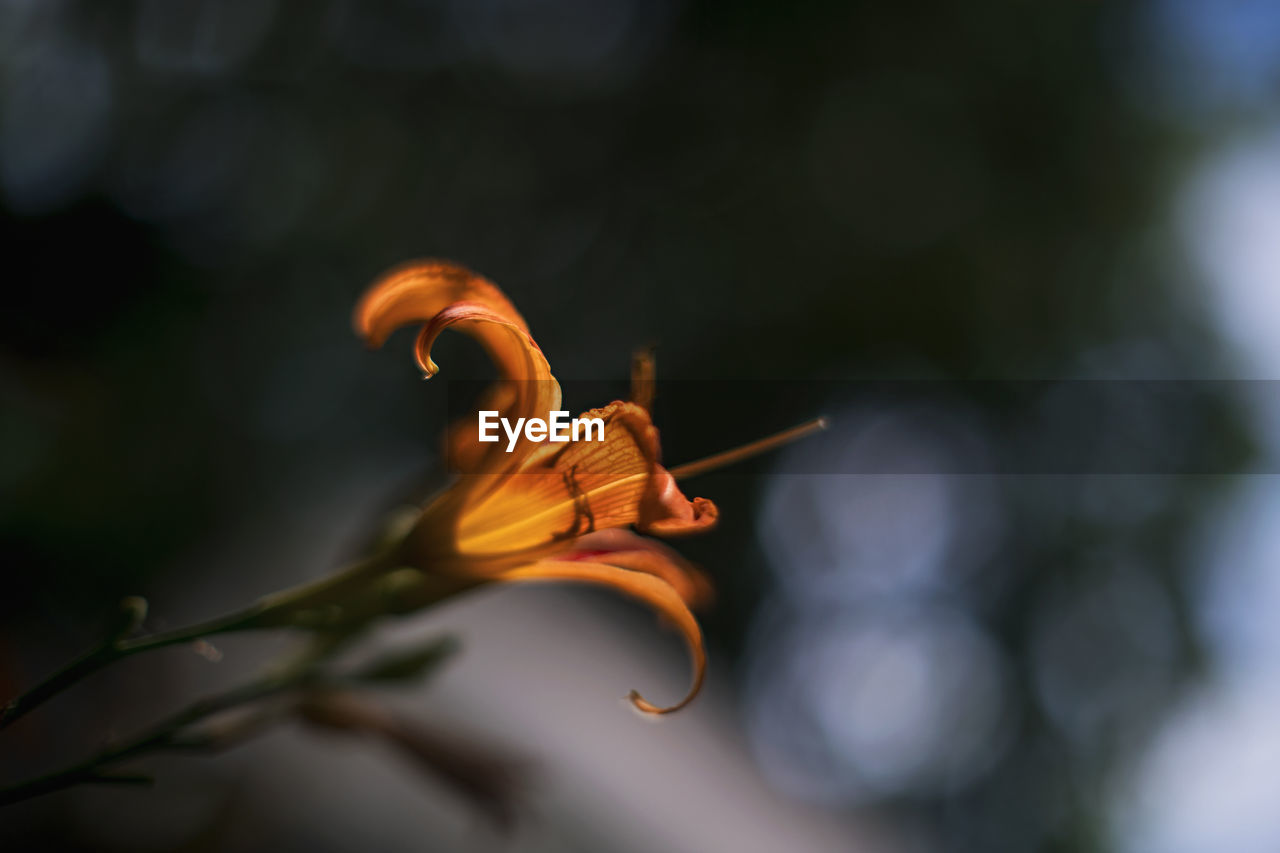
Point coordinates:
pixel 111 651
pixel 302 670
pixel 274 611
pixel 162 736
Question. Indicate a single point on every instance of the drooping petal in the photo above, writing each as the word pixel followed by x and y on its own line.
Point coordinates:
pixel 627 550
pixel 645 587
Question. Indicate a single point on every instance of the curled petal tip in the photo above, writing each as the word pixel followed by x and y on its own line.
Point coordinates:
pixel 645 706
pixel 417 291
pixel 653 590
pixel 665 510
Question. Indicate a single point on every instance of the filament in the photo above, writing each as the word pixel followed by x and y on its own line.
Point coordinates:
pixel 746 451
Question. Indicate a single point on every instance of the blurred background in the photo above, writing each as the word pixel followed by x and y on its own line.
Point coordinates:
pixel 907 653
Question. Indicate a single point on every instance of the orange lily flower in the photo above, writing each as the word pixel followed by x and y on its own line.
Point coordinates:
pixel 541 512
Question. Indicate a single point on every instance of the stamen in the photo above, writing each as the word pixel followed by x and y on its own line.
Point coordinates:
pixel 746 451
pixel 642 378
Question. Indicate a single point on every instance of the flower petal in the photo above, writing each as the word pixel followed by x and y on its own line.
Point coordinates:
pixel 626 550
pixel 417 291
pixel 511 508
pixel 563 491
pixel 518 358
pixel 665 511
pixel 526 389
pixel 442 295
pixel 648 588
